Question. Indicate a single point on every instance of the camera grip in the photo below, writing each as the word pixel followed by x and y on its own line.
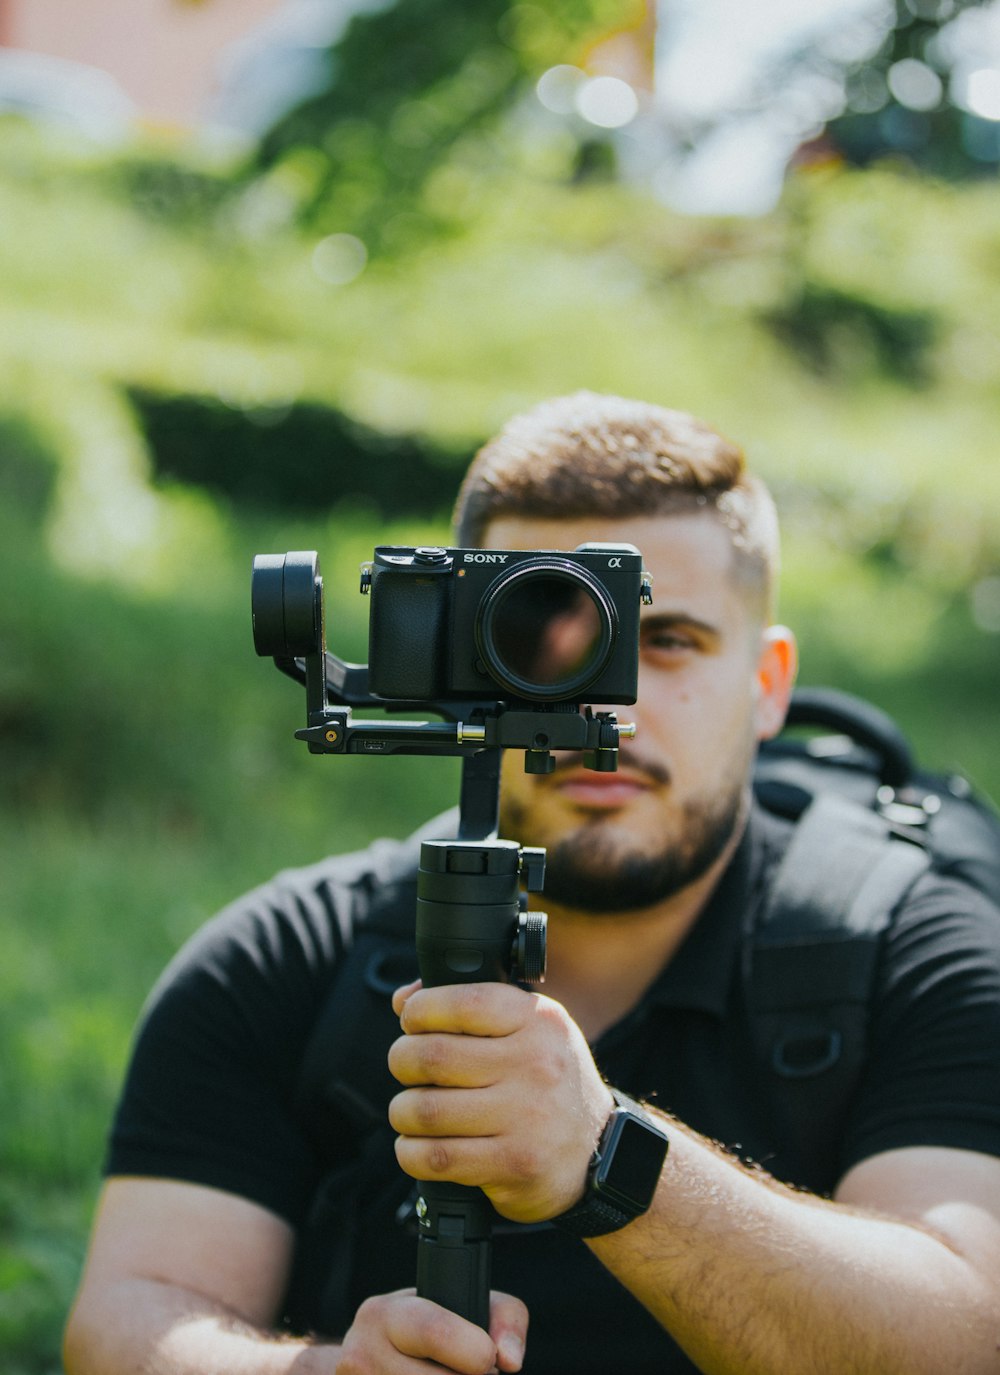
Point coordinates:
pixel 469 929
pixel 454 1257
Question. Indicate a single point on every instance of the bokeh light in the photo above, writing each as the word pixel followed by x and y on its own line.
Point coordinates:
pixel 608 102
pixel 557 88
pixel 339 259
pixel 982 93
pixel 915 85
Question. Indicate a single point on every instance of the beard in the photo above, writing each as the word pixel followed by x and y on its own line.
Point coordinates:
pixel 596 869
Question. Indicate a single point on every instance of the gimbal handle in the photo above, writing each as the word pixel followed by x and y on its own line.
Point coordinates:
pixel 471 928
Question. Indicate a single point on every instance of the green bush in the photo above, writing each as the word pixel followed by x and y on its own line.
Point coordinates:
pixel 299 457
pixel 180 390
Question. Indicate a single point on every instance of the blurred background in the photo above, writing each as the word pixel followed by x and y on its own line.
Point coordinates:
pixel 270 270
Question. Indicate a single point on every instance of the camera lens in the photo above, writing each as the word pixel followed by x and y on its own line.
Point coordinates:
pixel 545 629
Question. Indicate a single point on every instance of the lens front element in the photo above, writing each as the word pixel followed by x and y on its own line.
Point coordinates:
pixel 545 629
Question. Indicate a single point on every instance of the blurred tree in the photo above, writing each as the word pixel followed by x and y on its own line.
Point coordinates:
pixel 406 83
pixel 929 93
pixel 406 86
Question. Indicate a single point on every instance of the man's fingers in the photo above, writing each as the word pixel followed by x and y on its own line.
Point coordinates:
pixel 508 1328
pixel 450 1112
pixel 424 1331
pixel 490 1009
pixel 431 1333
pixel 391 1327
pixel 401 994
pixel 445 1059
pixel 509 1171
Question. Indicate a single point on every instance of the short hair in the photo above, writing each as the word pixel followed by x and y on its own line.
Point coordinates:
pixel 589 454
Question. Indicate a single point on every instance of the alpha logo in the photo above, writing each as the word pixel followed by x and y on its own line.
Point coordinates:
pixel 486 558
pixel 614 563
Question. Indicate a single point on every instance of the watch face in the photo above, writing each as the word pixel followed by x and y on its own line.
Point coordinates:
pixel 632 1162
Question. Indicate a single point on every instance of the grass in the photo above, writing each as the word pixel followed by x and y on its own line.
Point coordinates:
pixel 89 914
pixel 155 777
pixel 147 764
pixel 150 775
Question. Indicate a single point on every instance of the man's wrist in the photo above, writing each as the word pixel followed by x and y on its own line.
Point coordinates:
pixel 622 1175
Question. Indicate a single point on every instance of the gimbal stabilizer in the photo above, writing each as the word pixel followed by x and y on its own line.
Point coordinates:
pixel 471 922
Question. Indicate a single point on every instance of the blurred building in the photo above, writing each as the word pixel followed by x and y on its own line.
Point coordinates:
pixel 165 58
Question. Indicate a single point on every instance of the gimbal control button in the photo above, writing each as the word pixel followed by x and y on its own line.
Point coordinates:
pixel 467 862
pixel 468 961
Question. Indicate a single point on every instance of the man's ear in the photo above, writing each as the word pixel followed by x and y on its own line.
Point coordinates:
pixel 776 670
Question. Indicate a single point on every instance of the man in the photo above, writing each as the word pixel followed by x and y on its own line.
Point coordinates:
pixel 884 1257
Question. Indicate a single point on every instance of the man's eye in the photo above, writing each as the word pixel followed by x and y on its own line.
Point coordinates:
pixel 667 640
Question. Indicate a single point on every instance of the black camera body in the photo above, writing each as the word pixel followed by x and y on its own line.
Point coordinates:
pixel 543 626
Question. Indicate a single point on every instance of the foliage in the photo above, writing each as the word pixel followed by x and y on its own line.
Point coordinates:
pixel 412 86
pixel 911 83
pixel 816 322
pixel 151 362
pixel 408 82
pixel 907 111
pixel 149 774
pixel 171 355
pixel 302 456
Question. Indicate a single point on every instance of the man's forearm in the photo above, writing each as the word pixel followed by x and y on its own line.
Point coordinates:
pixel 752 1277
pixel 161 1329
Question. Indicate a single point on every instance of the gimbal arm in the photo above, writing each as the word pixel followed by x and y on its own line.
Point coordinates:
pixel 471 923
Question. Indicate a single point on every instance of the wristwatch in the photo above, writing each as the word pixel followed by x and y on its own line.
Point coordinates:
pixel 622 1175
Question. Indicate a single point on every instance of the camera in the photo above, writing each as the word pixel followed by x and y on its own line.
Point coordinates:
pixel 480 624
pixel 510 648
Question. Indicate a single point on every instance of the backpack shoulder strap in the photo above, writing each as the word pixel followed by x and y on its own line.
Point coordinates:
pixel 344 1085
pixel 842 875
pixel 812 958
pixel 341 1100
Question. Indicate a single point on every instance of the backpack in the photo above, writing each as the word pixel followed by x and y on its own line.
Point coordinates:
pixel 868 822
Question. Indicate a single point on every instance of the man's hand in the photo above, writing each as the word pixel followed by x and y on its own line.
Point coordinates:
pixel 184 1279
pixel 398 1333
pixel 501 1092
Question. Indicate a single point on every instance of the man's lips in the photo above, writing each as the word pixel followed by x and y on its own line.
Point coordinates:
pixel 602 791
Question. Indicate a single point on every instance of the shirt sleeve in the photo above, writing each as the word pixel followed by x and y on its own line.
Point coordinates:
pixel 933 1077
pixel 208 1095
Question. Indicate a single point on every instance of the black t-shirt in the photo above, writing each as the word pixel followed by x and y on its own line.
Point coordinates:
pixel 210 1093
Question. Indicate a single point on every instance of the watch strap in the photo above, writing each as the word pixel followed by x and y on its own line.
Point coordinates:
pixel 593 1216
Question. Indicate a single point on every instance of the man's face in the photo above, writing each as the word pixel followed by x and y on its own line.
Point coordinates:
pixel 709 688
